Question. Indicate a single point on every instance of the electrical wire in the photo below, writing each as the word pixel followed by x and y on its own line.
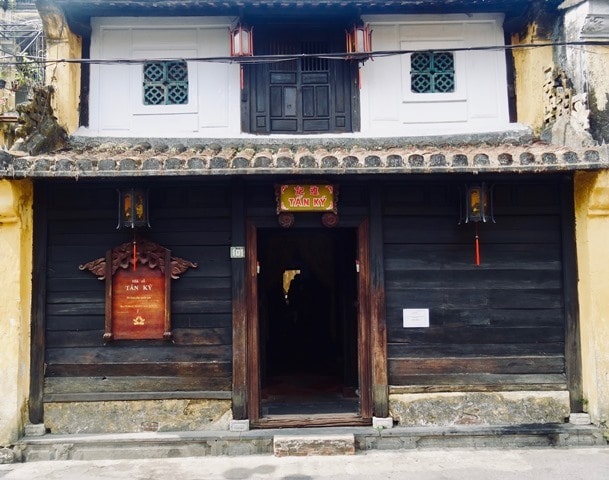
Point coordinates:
pixel 258 59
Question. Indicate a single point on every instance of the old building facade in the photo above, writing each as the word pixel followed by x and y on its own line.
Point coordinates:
pixel 390 211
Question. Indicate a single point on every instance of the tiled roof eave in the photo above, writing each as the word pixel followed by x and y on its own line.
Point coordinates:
pixel 302 161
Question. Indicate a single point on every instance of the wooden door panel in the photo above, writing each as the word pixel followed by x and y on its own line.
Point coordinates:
pixel 276 101
pixel 319 78
pixel 322 101
pixel 290 95
pixel 308 102
pixel 317 125
pixel 282 77
pixel 284 125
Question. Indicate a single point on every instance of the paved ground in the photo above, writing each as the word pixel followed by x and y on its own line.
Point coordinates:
pixel 523 464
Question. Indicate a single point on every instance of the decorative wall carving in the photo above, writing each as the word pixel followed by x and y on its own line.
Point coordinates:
pixel 560 100
pixel 148 253
pixel 596 26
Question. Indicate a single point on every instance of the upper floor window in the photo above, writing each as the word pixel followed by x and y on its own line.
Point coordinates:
pixel 306 94
pixel 165 83
pixel 432 72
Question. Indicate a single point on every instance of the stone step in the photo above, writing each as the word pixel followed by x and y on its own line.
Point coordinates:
pixel 318 441
pixel 304 445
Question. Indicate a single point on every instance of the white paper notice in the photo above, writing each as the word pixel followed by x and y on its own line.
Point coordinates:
pixel 416 317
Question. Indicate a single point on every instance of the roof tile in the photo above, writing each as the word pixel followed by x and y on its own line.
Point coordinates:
pixel 102 158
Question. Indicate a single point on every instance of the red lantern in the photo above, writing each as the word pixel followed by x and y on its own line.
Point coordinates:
pixel 359 39
pixel 241 41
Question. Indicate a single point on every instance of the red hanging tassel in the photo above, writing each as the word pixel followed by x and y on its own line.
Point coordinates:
pixel 134 255
pixel 477 245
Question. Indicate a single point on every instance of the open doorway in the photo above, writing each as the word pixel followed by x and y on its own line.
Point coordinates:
pixel 307 310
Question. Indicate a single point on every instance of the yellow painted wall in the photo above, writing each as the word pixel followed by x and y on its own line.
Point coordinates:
pixel 592 232
pixel 16 220
pixel 530 65
pixel 65 78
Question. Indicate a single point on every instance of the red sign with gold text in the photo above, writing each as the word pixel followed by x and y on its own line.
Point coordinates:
pixel 306 198
pixel 138 303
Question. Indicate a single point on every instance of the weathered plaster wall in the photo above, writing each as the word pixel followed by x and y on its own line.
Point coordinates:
pixel 479 408
pixel 137 416
pixel 598 59
pixel 530 65
pixel 65 77
pixel 592 232
pixel 587 67
pixel 15 284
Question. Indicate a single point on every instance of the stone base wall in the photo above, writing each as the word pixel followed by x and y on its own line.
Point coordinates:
pixel 479 408
pixel 137 416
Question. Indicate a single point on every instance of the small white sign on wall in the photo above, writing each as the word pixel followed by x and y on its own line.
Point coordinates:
pixel 416 317
pixel 237 252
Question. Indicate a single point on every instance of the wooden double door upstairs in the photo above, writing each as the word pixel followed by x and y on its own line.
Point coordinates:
pixel 309 94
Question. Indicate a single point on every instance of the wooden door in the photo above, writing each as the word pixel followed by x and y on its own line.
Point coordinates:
pixel 250 364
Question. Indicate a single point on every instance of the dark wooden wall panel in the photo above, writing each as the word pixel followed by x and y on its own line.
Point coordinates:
pixel 194 221
pixel 497 326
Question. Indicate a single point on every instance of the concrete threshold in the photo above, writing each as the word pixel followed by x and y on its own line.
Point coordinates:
pixel 321 444
pixel 202 443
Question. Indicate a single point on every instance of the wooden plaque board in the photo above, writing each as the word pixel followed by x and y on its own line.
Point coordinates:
pixel 138 289
pixel 140 304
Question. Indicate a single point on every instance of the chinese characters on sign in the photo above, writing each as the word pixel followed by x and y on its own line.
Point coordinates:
pixel 306 198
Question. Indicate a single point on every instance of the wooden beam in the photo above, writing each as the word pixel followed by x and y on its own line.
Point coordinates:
pixel 39 285
pixel 123 396
pixel 239 305
pixel 460 388
pixel 317 420
pixel 252 330
pixel 447 382
pixel 573 366
pixel 364 354
pixel 378 328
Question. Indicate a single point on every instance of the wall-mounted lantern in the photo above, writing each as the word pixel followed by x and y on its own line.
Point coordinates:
pixel 478 204
pixel 133 208
pixel 241 41
pixel 477 207
pixel 359 39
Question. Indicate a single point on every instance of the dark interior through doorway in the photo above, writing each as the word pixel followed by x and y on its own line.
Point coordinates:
pixel 307 297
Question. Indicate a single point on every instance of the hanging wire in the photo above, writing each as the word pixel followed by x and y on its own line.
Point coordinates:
pixel 259 59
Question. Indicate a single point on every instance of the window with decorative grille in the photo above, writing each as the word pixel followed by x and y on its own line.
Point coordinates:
pixel 165 83
pixel 432 72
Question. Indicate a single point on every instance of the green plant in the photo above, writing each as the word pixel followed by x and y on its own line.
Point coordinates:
pixel 27 72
